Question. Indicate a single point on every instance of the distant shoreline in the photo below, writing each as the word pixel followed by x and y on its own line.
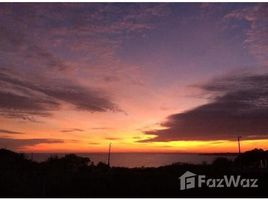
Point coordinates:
pixel 219 154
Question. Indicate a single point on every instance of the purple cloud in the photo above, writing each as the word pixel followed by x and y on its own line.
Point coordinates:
pixel 72 130
pixel 9 131
pixel 256 35
pixel 239 107
pixel 21 143
pixel 22 98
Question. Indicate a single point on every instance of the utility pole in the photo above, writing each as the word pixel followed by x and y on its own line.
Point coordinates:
pixel 109 154
pixel 238 141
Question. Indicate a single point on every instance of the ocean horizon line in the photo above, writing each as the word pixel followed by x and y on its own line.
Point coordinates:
pixel 132 152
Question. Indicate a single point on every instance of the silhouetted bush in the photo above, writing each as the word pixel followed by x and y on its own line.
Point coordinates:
pixel 75 176
pixel 222 163
pixel 252 159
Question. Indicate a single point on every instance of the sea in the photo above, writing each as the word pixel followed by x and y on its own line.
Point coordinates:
pixel 132 160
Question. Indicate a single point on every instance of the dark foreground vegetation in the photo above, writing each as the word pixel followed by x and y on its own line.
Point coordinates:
pixel 73 176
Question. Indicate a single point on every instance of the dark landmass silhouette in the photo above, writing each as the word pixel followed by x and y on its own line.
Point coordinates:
pixel 74 176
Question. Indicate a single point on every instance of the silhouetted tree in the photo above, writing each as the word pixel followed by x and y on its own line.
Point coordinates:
pixel 252 159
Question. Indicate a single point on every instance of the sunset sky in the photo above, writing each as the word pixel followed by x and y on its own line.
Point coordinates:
pixel 170 77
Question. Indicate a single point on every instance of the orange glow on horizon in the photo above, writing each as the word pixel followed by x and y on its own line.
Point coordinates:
pixel 220 146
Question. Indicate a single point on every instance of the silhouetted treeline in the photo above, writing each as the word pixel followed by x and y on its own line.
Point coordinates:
pixel 74 176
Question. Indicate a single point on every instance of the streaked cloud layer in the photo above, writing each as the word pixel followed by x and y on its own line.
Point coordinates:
pixel 19 143
pixel 23 98
pixel 238 107
pixel 75 76
pixel 9 131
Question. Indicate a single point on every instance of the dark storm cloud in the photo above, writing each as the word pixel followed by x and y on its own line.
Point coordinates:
pixel 9 131
pixel 21 143
pixel 21 98
pixel 239 107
